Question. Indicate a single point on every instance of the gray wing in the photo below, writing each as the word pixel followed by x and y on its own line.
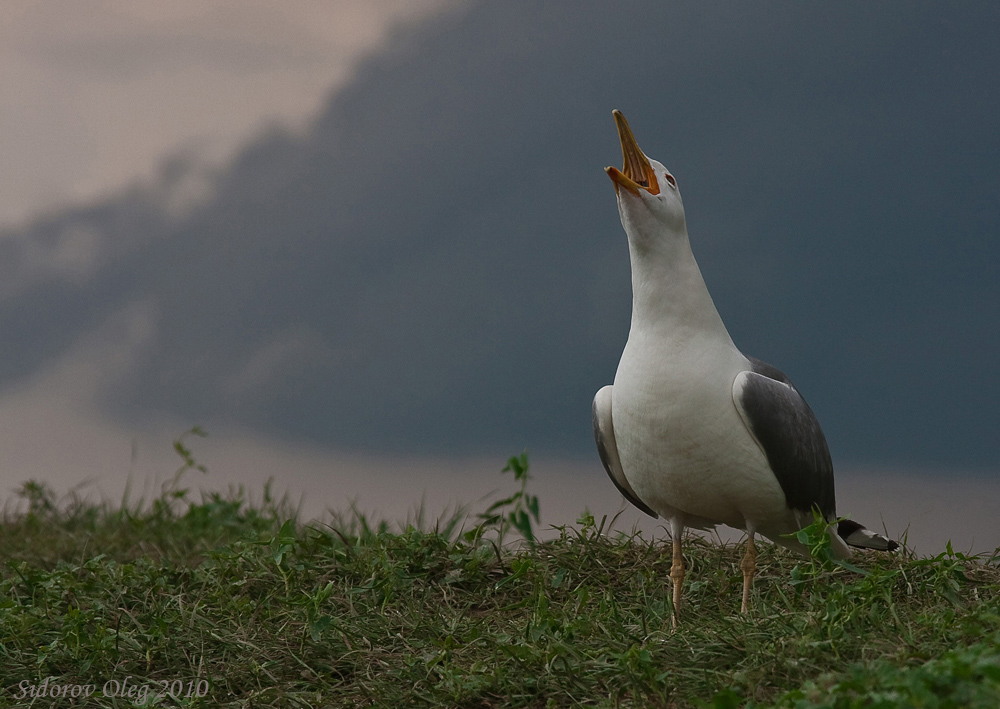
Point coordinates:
pixel 604 434
pixel 790 436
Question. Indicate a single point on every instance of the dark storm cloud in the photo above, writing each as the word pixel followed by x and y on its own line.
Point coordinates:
pixel 437 265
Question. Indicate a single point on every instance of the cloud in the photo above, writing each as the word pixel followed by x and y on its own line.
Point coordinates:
pixel 70 253
pixel 91 97
pixel 435 265
pixel 104 356
pixel 287 350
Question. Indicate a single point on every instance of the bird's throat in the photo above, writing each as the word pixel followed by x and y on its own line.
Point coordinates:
pixel 669 294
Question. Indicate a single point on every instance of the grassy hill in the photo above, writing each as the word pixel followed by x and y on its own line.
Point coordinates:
pixel 266 611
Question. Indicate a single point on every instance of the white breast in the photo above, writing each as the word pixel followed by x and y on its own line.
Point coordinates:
pixel 682 444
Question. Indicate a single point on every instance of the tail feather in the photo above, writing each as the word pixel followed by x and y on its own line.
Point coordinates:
pixel 856 535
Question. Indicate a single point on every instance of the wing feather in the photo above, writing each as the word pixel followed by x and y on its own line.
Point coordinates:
pixel 604 434
pixel 789 434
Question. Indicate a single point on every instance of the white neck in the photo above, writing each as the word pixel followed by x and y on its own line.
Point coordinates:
pixel 669 295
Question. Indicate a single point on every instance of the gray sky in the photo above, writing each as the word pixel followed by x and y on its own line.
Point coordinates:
pixel 94 95
pixel 380 233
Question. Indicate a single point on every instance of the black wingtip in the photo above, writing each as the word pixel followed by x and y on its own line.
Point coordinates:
pixel 856 535
pixel 847 527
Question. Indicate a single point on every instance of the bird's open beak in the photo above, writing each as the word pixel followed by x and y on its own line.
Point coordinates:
pixel 636 173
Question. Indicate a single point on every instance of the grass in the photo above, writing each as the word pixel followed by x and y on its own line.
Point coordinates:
pixel 268 611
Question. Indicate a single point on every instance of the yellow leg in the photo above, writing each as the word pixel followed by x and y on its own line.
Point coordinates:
pixel 677 574
pixel 749 566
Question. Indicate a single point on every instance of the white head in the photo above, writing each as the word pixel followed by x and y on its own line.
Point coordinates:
pixel 668 290
pixel 648 199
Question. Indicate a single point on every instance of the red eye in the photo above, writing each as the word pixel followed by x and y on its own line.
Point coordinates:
pixel 671 180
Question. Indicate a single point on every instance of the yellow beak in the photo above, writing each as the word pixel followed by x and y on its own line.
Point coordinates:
pixel 636 172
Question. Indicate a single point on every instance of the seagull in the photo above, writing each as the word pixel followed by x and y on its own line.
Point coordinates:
pixel 693 430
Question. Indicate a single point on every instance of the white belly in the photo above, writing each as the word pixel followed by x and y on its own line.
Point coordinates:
pixel 682 444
